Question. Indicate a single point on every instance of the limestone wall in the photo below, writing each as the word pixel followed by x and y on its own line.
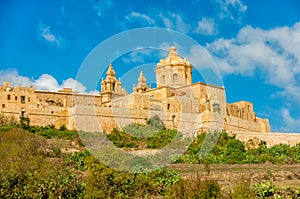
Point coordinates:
pixel 271 138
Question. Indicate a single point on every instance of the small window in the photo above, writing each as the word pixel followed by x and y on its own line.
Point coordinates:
pixel 28 99
pixel 216 107
pixel 113 86
pixel 163 78
pixel 168 107
pixel 16 98
pixel 22 99
pixel 173 121
pixel 3 105
pixel 175 76
pixel 23 112
pixel 8 97
pixel 52 112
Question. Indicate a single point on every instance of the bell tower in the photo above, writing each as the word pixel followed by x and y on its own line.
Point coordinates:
pixel 173 71
pixel 111 84
pixel 142 84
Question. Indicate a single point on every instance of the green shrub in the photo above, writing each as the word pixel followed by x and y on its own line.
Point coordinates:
pixel 195 188
pixel 153 135
pixel 105 182
pixel 266 189
pixel 161 139
pixel 25 171
pixel 242 189
pixel 77 160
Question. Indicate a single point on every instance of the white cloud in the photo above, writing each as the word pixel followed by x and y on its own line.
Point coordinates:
pixel 160 19
pixel 101 7
pixel 14 78
pixel 44 82
pixel 173 21
pixel 45 33
pixel 139 16
pixel 206 26
pixel 291 124
pixel 232 9
pixel 274 54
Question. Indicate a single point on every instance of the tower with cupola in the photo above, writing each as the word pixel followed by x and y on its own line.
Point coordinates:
pixel 110 86
pixel 173 71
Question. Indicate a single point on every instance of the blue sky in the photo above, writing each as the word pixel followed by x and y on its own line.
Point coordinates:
pixel 255 44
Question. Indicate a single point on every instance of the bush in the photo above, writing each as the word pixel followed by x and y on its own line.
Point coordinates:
pixel 153 135
pixel 243 189
pixel 25 172
pixel 161 139
pixel 7 120
pixel 195 188
pixel 77 160
pixel 105 182
pixel 266 189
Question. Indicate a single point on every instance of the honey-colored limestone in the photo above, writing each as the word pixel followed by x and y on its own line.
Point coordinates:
pixel 180 103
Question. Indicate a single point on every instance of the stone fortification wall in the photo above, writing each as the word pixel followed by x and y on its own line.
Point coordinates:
pixel 271 138
pixel 48 115
pixel 238 124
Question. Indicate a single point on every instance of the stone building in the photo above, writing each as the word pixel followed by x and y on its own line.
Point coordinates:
pixel 179 102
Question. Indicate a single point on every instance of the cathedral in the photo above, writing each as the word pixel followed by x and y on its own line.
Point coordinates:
pixel 179 102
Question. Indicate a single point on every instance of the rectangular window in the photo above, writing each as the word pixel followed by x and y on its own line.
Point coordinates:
pixel 16 98
pixel 22 99
pixel 216 107
pixel 23 113
pixel 168 107
pixel 8 97
pixel 3 105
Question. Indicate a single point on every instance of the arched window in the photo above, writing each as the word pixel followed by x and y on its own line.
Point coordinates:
pixel 175 76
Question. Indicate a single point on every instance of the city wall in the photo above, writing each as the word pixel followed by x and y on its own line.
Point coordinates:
pixel 271 138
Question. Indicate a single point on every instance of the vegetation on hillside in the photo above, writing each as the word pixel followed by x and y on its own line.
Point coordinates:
pixel 31 168
pixel 229 150
pixel 152 135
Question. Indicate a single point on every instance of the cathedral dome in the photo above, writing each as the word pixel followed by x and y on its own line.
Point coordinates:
pixel 173 59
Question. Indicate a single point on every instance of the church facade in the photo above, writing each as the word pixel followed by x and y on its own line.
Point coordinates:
pixel 179 102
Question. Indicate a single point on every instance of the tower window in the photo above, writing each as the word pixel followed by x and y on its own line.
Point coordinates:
pixel 113 86
pixel 168 107
pixel 22 99
pixel 216 107
pixel 8 97
pixel 16 98
pixel 163 78
pixel 175 76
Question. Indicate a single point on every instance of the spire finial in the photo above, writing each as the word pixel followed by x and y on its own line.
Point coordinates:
pixel 110 70
pixel 172 51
